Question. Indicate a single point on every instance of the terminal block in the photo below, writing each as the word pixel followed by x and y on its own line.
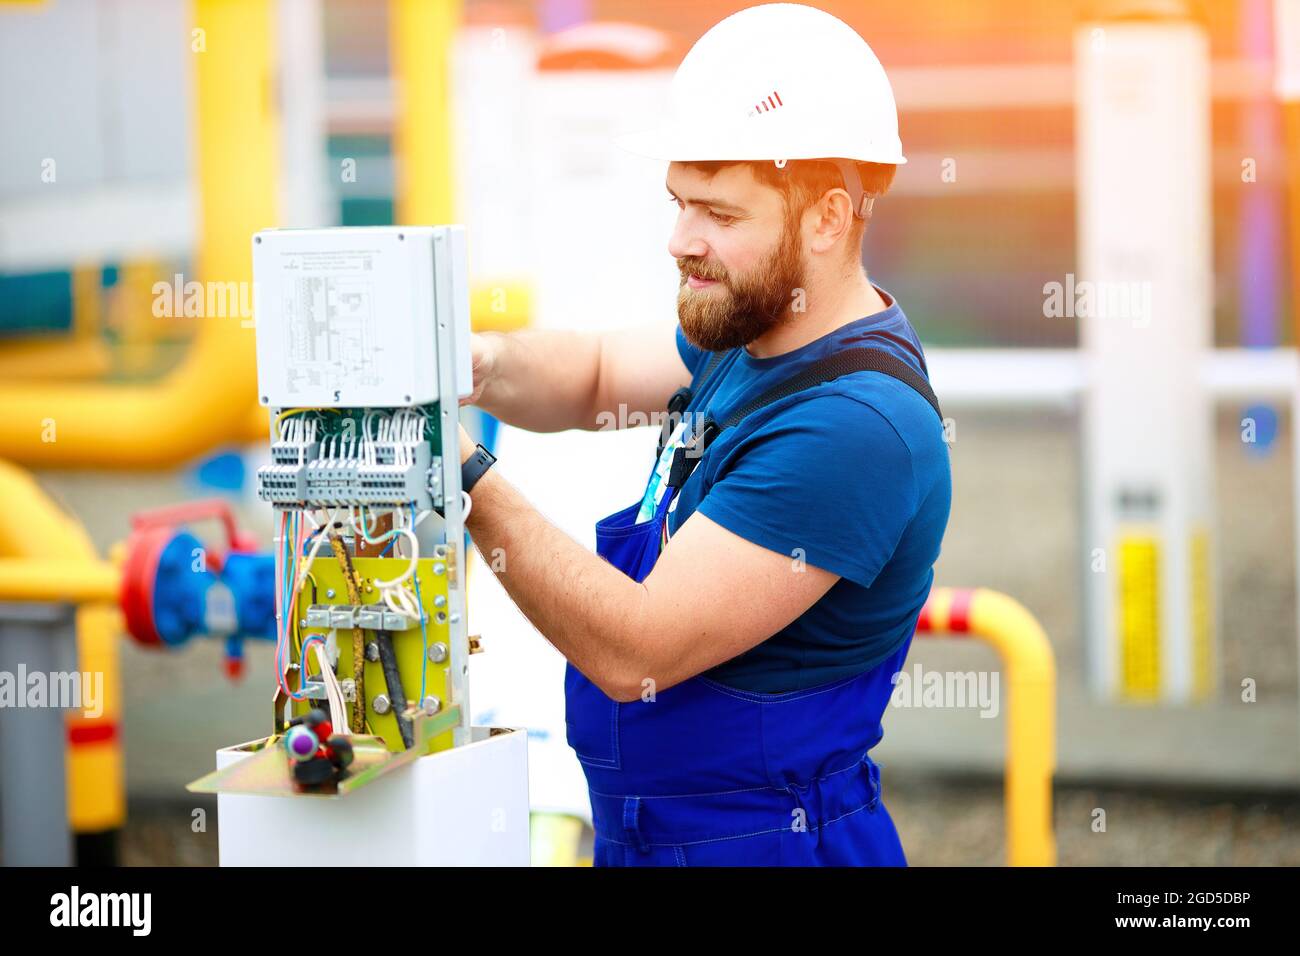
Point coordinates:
pixel 284 481
pixel 378 473
pixel 400 474
pixel 365 616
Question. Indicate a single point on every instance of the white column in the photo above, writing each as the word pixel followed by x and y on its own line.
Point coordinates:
pixel 1143 294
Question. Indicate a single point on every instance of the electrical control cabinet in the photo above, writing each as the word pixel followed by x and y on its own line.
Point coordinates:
pixel 348 317
pixel 363 355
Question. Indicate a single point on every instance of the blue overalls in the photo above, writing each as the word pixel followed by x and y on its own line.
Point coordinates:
pixel 709 775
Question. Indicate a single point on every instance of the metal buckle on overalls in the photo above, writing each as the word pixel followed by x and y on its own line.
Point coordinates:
pixel 632 822
pixel 688 456
pixel 873 774
pixel 811 821
pixel 676 406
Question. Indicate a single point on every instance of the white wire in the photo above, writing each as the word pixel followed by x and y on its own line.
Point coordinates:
pixel 415 558
pixel 315 549
pixel 333 690
pixel 400 600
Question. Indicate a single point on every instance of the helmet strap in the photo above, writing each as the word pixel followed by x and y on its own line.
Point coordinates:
pixel 861 199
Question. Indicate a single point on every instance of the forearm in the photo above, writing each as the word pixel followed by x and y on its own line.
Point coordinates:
pixel 588 609
pixel 544 380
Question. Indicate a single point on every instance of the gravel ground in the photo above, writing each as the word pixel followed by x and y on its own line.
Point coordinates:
pixel 960 823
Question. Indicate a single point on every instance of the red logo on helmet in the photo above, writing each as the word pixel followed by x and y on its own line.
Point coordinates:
pixel 767 105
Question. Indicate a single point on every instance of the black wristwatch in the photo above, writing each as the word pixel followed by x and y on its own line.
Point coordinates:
pixel 474 467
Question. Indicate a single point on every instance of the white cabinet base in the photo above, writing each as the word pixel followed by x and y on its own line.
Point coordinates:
pixel 467 806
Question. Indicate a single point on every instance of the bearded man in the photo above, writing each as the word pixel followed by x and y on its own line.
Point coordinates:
pixel 732 644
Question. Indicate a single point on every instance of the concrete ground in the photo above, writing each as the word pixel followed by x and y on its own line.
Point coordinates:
pixel 1215 784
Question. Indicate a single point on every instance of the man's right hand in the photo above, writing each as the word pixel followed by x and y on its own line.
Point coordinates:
pixel 549 380
pixel 483 350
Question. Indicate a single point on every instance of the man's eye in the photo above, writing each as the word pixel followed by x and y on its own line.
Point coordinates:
pixel 720 218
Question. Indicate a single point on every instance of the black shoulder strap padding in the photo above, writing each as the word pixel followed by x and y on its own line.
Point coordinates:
pixel 834 366
pixel 818 373
pixel 709 366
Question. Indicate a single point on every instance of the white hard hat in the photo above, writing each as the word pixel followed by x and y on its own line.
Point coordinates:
pixel 777 81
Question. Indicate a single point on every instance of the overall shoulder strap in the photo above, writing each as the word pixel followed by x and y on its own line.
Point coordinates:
pixel 818 373
pixel 835 366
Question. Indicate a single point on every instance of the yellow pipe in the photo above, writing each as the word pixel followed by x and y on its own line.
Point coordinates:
pixel 204 402
pixel 420 41
pixel 87 301
pixel 49 556
pixel 66 581
pixel 133 319
pixel 42 357
pixel 1029 669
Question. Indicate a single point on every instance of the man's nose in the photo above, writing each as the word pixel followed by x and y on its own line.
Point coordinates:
pixel 686 241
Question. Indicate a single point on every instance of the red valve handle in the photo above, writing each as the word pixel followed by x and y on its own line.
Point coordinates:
pixel 187 511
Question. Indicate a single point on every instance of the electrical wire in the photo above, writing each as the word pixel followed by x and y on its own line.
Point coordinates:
pixel 297 411
pixel 292 582
pixel 333 689
pixel 410 568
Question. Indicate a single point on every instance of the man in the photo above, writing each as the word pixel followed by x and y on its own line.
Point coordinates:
pixel 732 644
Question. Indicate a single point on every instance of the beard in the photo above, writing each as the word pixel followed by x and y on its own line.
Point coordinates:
pixel 739 309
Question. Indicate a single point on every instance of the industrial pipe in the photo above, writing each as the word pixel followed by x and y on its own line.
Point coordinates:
pixel 49 557
pixel 204 402
pixel 1030 671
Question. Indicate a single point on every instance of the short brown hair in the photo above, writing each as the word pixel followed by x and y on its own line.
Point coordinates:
pixel 802 182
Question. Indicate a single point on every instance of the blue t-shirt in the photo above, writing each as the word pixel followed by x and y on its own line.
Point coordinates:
pixel 851 476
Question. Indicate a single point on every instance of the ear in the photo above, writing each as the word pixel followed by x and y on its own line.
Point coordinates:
pixel 830 219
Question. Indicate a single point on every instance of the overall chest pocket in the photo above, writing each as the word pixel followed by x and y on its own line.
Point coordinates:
pixel 590 721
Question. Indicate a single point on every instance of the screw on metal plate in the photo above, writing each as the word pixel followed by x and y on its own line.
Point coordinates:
pixel 432 704
pixel 438 652
pixel 381 704
pixel 372 651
